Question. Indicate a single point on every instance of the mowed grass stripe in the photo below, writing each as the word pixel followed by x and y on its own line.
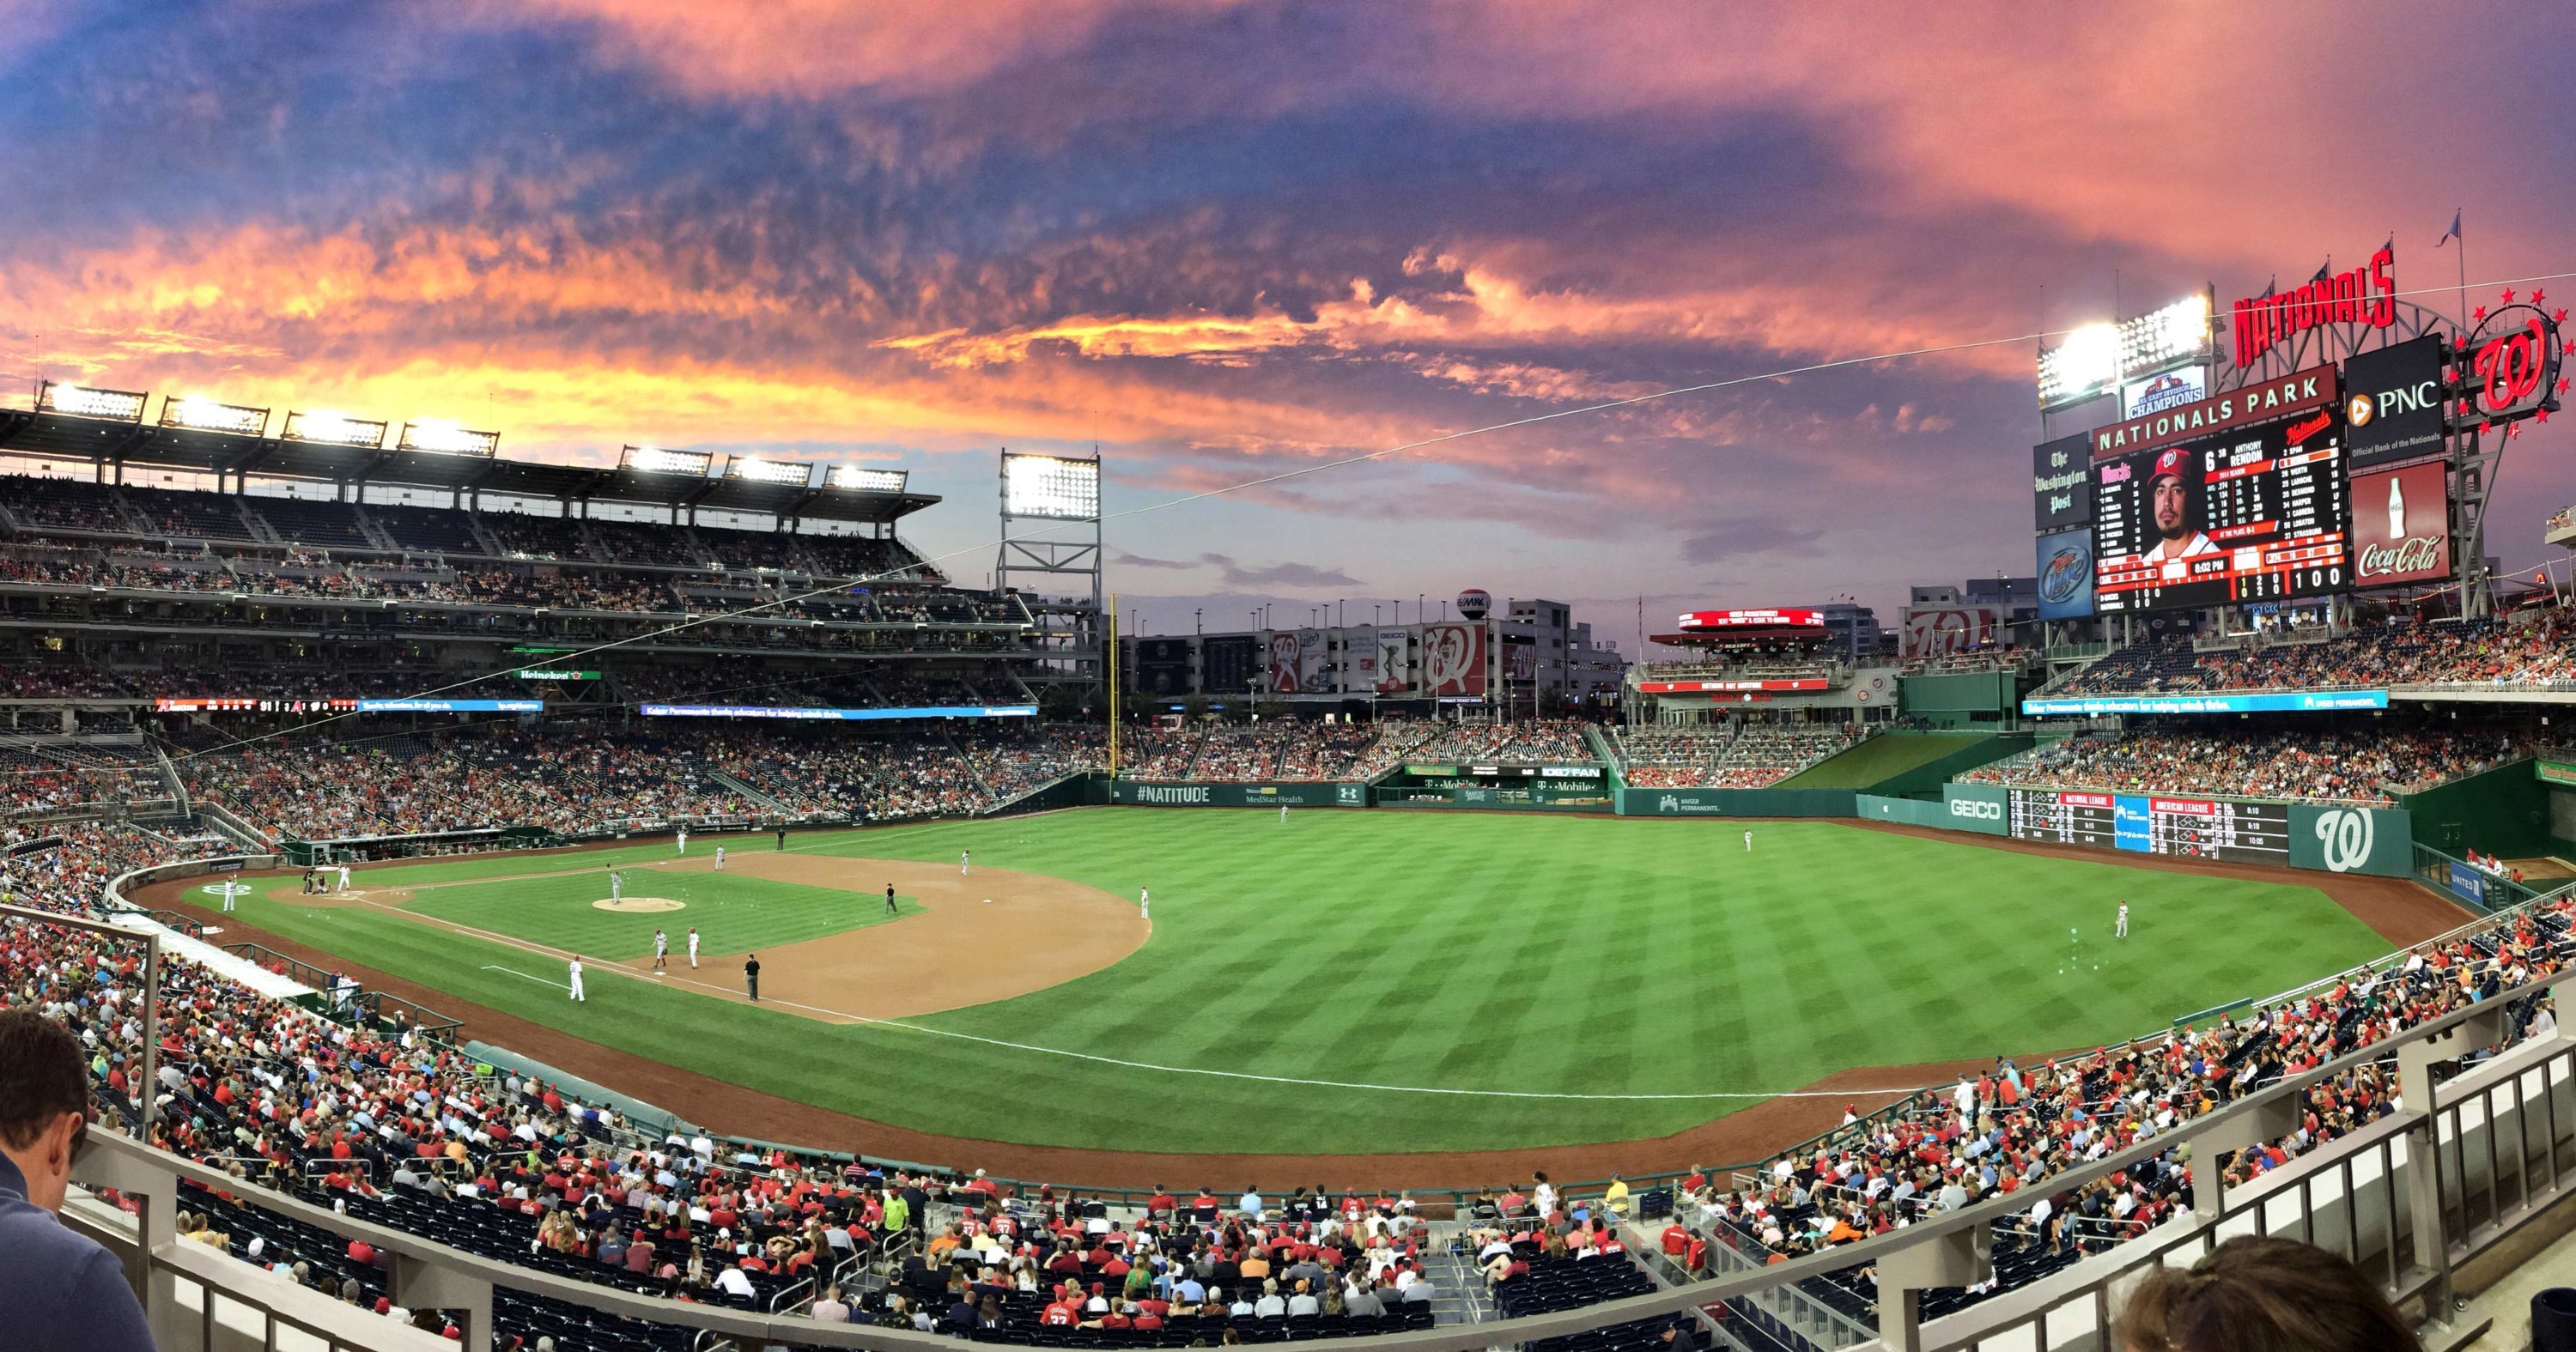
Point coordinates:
pixel 1473 951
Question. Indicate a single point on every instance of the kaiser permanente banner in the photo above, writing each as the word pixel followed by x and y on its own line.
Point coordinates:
pixel 1149 794
pixel 2295 701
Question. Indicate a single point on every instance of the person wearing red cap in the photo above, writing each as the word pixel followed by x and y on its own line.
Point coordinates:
pixel 2169 507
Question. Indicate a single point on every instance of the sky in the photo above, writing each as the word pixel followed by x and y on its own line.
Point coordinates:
pixel 1226 242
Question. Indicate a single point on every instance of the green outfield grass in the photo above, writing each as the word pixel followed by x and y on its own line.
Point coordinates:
pixel 1573 958
pixel 1882 758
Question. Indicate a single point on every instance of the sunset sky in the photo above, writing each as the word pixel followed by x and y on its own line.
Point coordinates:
pixel 1224 241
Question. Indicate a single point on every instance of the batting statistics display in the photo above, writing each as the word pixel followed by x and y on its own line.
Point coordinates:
pixel 2257 512
pixel 2202 828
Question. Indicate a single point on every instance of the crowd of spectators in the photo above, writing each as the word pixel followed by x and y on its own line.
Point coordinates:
pixel 1725 755
pixel 301 573
pixel 2527 648
pixel 2358 764
pixel 1545 741
pixel 2007 1131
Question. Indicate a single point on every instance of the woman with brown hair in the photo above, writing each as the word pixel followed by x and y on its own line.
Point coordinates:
pixel 2258 1294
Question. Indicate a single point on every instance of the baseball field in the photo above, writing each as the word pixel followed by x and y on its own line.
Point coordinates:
pixel 1340 982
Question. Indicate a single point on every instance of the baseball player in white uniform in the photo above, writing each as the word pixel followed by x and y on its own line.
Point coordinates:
pixel 693 945
pixel 661 950
pixel 1144 904
pixel 576 979
pixel 616 885
pixel 684 840
pixel 344 877
pixel 2120 928
pixel 1748 842
pixel 1283 814
pixel 965 860
pixel 720 859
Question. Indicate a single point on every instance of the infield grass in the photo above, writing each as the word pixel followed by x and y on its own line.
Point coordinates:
pixel 1570 959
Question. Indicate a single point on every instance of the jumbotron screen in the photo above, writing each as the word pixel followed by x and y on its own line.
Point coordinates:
pixel 2260 511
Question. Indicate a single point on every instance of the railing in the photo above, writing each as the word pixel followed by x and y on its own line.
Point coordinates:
pixel 2483 888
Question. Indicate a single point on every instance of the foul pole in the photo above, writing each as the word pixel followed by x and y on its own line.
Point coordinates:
pixel 1113 685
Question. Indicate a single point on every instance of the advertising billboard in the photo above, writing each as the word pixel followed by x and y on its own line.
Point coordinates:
pixel 2060 487
pixel 1162 666
pixel 1930 631
pixel 2066 575
pixel 2401 525
pixel 1394 661
pixel 1314 662
pixel 1280 666
pixel 1453 659
pixel 2341 839
pixel 1359 660
pixel 835 715
pixel 1792 618
pixel 2393 402
pixel 2255 511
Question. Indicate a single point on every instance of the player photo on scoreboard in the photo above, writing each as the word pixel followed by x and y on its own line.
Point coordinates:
pixel 2256 514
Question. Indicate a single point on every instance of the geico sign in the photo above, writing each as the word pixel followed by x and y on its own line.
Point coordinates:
pixel 1975 810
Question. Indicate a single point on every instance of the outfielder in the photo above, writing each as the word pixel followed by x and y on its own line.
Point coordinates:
pixel 2120 928
pixel 693 947
pixel 684 840
pixel 1283 814
pixel 1748 842
pixel 576 980
pixel 661 950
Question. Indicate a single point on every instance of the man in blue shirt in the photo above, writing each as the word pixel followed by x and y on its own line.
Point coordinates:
pixel 62 1290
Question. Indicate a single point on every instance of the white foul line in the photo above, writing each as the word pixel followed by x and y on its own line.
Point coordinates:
pixel 525 977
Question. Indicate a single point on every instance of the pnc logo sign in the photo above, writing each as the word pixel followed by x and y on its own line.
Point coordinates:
pixel 2361 409
pixel 1974 810
pixel 2346 835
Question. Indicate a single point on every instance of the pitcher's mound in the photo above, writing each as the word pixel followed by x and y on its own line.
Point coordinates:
pixel 638 904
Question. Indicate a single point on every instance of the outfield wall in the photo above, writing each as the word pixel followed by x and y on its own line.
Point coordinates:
pixel 1143 793
pixel 1734 802
pixel 2504 812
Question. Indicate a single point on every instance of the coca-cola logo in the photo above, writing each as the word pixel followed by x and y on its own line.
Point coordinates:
pixel 2415 554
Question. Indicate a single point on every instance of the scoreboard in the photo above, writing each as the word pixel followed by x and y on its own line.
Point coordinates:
pixel 2256 510
pixel 2200 828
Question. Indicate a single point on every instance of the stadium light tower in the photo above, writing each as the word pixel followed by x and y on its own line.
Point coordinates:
pixel 1050 536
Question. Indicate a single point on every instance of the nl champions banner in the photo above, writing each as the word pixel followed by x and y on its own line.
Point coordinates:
pixel 2268 703
pixel 838 715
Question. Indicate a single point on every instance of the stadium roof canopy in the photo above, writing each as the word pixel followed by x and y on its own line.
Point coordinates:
pixel 118 443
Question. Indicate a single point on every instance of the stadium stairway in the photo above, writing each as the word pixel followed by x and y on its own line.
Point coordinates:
pixel 746 790
pixel 1458 1290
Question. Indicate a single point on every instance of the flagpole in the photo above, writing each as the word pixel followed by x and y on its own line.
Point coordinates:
pixel 2462 239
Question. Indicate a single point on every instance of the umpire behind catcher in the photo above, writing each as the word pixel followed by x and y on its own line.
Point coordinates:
pixel 62 1291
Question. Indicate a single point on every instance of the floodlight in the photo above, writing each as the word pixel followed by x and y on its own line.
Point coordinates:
pixel 655 460
pixel 2085 365
pixel 447 439
pixel 861 480
pixel 2175 335
pixel 206 415
pixel 80 401
pixel 335 429
pixel 1049 486
pixel 761 471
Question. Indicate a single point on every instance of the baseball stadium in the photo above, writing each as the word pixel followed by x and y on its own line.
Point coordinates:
pixel 668 895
